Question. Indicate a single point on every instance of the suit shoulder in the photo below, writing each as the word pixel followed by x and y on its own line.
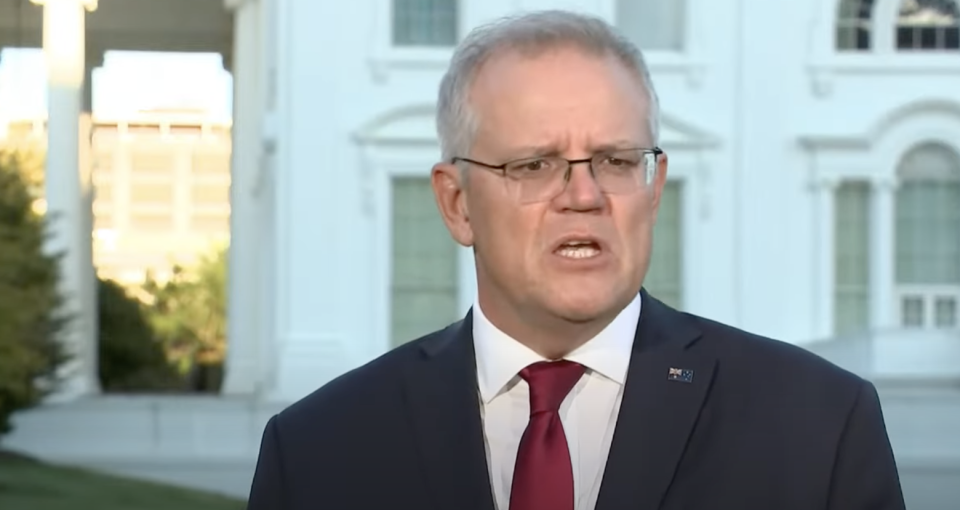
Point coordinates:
pixel 763 355
pixel 368 383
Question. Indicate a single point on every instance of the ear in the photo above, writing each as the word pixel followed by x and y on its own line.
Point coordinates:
pixel 449 190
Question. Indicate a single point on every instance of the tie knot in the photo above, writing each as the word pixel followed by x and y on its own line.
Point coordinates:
pixel 550 382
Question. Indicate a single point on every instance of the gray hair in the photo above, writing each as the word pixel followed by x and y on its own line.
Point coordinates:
pixel 537 31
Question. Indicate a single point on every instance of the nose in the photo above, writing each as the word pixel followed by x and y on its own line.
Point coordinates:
pixel 582 192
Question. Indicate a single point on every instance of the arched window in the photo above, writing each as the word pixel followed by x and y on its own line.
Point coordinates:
pixel 928 25
pixel 429 23
pixel 854 24
pixel 928 237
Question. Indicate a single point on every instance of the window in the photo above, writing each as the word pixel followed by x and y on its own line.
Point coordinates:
pixel 664 280
pixel 159 193
pixel 928 237
pixel 151 222
pixel 210 193
pixel 425 276
pixel 928 25
pixel 653 24
pixel 152 162
pixel 852 258
pixel 425 22
pixel 209 222
pixel 854 21
pixel 210 162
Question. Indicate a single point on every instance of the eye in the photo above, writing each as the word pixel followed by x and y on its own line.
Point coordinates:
pixel 533 165
pixel 619 161
pixel 530 166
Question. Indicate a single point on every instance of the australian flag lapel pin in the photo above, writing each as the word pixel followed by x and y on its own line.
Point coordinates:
pixel 680 374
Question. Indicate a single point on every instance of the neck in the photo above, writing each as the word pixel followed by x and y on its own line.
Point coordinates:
pixel 549 335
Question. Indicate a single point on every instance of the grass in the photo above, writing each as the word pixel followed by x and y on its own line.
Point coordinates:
pixel 27 484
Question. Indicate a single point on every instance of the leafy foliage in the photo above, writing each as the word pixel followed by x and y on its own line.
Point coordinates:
pixel 171 339
pixel 189 314
pixel 132 357
pixel 30 350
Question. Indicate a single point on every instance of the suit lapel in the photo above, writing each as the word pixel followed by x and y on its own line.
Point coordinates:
pixel 661 403
pixel 443 407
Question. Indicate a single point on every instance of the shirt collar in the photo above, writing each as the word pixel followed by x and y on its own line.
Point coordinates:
pixel 500 358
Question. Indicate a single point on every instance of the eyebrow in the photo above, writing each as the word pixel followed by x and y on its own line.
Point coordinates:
pixel 616 145
pixel 532 151
pixel 552 149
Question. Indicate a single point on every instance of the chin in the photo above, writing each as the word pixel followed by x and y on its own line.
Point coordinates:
pixel 584 304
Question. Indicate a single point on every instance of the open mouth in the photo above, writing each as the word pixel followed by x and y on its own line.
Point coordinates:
pixel 578 249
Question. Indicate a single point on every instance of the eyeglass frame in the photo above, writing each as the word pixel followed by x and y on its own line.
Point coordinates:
pixel 655 151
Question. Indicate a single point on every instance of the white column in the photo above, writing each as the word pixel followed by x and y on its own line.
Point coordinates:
pixel 243 372
pixel 68 187
pixel 266 196
pixel 883 312
pixel 825 256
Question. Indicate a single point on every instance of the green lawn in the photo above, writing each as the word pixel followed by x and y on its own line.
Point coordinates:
pixel 30 485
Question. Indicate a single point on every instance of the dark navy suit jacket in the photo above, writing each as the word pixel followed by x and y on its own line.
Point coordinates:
pixel 760 425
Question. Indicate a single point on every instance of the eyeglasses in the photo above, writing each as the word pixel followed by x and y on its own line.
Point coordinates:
pixel 543 178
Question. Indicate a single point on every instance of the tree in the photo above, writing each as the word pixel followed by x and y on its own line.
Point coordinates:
pixel 30 319
pixel 132 358
pixel 189 313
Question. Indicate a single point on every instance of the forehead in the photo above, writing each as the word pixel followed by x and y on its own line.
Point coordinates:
pixel 563 96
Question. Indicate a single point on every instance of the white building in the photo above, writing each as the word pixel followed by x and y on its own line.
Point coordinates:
pixel 814 194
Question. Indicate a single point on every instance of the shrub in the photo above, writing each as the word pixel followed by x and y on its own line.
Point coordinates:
pixel 189 313
pixel 30 350
pixel 132 358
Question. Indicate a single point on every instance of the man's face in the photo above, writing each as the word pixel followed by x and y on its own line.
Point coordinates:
pixel 568 103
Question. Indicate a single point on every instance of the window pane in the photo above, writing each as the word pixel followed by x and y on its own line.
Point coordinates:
pixel 853 25
pixel 425 276
pixel 653 24
pixel 852 258
pixel 151 193
pixel 946 312
pixel 911 311
pixel 152 163
pixel 928 25
pixel 928 217
pixel 928 233
pixel 425 22
pixel 664 279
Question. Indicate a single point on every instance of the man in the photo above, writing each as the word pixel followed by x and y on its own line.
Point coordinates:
pixel 567 387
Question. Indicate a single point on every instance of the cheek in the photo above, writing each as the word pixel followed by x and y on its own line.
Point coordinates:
pixel 636 227
pixel 492 225
pixel 510 234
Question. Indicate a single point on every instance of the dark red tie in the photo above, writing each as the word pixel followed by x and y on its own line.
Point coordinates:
pixel 543 475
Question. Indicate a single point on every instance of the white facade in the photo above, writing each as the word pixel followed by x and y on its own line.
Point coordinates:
pixel 763 121
pixel 789 148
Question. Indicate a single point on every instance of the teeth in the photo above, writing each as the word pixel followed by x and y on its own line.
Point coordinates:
pixel 578 251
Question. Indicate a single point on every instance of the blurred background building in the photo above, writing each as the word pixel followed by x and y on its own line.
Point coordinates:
pixel 813 196
pixel 161 183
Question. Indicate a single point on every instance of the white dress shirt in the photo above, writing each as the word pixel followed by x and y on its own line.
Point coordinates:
pixel 589 413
